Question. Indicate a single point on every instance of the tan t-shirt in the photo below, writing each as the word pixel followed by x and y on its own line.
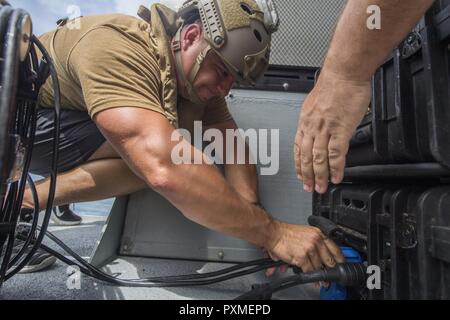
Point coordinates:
pixel 112 61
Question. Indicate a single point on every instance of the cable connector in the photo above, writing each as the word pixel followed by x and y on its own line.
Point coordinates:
pixel 347 274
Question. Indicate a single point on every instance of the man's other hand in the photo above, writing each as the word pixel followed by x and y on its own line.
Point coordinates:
pixel 303 246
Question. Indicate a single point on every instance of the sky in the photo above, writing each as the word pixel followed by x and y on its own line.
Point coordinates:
pixel 45 13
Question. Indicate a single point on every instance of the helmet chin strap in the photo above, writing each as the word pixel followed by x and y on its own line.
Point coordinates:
pixel 188 80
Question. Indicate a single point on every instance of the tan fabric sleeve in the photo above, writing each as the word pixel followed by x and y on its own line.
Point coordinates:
pixel 216 112
pixel 113 71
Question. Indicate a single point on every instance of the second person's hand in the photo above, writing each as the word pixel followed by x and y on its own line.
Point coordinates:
pixel 329 117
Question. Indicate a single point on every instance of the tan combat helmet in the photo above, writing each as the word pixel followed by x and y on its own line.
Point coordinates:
pixel 238 31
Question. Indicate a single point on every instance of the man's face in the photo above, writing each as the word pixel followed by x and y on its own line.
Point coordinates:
pixel 213 79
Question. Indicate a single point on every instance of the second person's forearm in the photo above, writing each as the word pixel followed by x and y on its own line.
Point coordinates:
pixel 352 54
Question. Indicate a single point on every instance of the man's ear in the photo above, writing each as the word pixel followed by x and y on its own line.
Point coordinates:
pixel 192 34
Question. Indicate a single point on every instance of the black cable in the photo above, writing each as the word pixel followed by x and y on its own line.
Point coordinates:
pixel 10 238
pixel 34 225
pixel 4 219
pixel 10 68
pixel 266 262
pixel 146 282
pixel 168 281
pixel 265 291
pixel 20 102
pixel 56 93
pixel 12 192
pixel 25 177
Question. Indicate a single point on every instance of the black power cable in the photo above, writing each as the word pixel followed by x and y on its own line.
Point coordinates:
pixel 20 84
pixel 16 118
pixel 33 226
pixel 345 274
pixel 168 281
pixel 56 92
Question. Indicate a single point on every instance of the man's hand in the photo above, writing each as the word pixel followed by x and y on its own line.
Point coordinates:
pixel 329 116
pixel 304 246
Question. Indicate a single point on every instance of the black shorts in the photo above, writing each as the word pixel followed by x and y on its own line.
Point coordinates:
pixel 79 138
